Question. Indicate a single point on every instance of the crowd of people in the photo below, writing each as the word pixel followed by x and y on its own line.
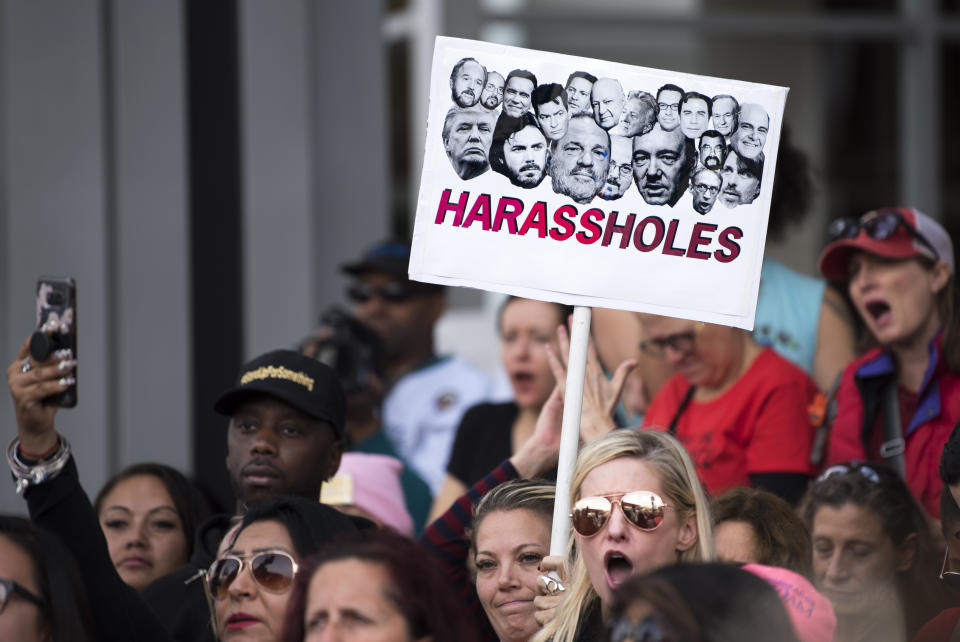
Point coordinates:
pixel 798 483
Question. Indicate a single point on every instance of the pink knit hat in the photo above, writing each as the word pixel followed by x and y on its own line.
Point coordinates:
pixel 811 613
pixel 371 483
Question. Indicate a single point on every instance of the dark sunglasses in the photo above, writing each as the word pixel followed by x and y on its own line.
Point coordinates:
pixel 395 292
pixel 272 570
pixel 681 343
pixel 642 508
pixel 879 228
pixel 646 630
pixel 9 588
pixel 948 577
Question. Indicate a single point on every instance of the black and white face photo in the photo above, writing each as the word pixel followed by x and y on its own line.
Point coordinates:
pixel 751 133
pixel 620 174
pixel 467 82
pixel 492 94
pixel 525 156
pixel 516 96
pixel 467 134
pixel 578 166
pixel 705 187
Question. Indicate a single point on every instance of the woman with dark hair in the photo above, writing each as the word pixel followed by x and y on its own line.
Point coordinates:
pixel 698 603
pixel 873 554
pixel 756 526
pixel 378 586
pixel 251 579
pixel 492 432
pixel 41 594
pixel 899 402
pixel 148 513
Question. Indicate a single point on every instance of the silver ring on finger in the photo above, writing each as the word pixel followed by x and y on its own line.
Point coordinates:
pixel 26 366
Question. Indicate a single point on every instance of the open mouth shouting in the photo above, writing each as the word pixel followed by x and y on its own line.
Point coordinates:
pixel 617 569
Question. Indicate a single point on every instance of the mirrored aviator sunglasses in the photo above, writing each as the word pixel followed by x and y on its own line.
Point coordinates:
pixel 642 508
pixel 273 571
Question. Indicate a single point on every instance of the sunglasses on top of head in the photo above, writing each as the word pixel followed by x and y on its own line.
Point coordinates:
pixel 273 571
pixel 395 292
pixel 642 508
pixel 873 474
pixel 880 228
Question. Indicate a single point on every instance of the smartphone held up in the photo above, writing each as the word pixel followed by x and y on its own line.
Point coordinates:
pixel 56 328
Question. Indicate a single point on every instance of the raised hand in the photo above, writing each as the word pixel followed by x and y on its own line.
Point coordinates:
pixel 30 383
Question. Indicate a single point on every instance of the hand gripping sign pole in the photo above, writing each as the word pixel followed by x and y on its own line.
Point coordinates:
pixel 570 428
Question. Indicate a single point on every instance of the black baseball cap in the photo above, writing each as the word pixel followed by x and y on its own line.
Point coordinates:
pixel 391 257
pixel 306 384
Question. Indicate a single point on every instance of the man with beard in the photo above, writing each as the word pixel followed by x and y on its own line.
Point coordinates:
pixel 662 162
pixel 713 149
pixel 639 115
pixel 518 92
pixel 606 97
pixel 519 150
pixel 620 174
pixel 668 107
pixel 725 108
pixel 751 133
pixel 492 93
pixel 694 114
pixel 705 185
pixel 466 82
pixel 466 138
pixel 550 105
pixel 579 161
pixel 579 86
pixel 741 179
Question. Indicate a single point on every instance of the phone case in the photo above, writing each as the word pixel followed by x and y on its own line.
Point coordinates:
pixel 57 317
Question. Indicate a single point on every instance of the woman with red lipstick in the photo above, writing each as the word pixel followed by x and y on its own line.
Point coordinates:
pixel 873 553
pixel 899 402
pixel 252 578
pixel 149 513
pixel 637 506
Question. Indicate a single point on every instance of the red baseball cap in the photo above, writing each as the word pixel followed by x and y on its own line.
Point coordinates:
pixel 900 244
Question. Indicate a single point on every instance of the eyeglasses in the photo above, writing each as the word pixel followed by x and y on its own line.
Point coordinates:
pixel 642 508
pixel 646 630
pixel 948 577
pixel 879 228
pixel 668 106
pixel 709 189
pixel 395 292
pixel 870 473
pixel 9 588
pixel 272 570
pixel 682 343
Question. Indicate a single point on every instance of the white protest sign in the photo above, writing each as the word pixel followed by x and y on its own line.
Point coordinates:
pixel 652 199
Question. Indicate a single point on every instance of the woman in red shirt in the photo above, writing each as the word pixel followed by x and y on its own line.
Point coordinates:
pixel 899 401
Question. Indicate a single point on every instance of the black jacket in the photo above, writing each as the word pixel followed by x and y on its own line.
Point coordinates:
pixel 61 506
pixel 178 597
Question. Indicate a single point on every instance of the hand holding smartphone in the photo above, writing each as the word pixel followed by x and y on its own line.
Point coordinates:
pixel 56 305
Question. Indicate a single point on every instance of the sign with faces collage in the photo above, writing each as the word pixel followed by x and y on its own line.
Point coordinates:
pixel 595 183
